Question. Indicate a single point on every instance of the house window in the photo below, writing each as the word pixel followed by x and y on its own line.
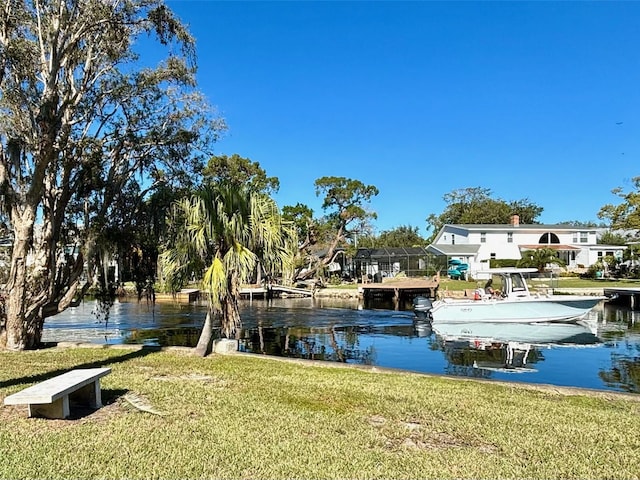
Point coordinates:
pixel 548 238
pixel 575 237
pixel 599 255
pixel 509 237
pixel 384 268
pixel 584 237
pixel 493 256
pixel 483 237
pixel 453 239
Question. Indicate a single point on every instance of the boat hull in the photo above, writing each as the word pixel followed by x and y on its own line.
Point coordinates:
pixel 559 308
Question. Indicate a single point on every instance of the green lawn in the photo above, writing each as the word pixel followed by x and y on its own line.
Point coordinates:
pixel 566 282
pixel 255 417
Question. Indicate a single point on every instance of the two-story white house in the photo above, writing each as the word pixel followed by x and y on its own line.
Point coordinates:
pixel 477 244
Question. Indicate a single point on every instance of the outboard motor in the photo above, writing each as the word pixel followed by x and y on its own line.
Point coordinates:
pixel 421 304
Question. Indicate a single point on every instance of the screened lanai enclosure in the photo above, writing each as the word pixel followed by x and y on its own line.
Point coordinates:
pixel 374 264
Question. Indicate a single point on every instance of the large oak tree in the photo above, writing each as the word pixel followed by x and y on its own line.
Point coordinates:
pixel 475 205
pixel 402 236
pixel 239 172
pixel 345 204
pixel 83 127
pixel 624 216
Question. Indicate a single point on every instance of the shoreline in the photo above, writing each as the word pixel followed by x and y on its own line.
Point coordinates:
pixel 222 347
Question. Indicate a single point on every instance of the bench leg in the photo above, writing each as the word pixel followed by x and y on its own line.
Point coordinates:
pixel 89 395
pixel 57 409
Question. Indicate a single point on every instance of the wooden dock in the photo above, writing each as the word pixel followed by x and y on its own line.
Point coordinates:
pixel 400 290
pixel 185 295
pixel 253 291
pixel 271 290
pixel 628 295
pixel 304 292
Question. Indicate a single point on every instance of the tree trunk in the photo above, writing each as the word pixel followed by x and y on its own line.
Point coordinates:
pixel 259 273
pixel 32 293
pixel 230 317
pixel 206 336
pixel 328 258
pixel 22 327
pixel 231 321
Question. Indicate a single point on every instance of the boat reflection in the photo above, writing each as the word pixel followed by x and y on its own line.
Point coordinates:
pixel 483 347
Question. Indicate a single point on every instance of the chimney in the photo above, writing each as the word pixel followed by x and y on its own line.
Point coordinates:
pixel 515 220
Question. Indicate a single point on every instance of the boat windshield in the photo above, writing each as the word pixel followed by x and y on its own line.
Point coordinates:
pixel 517 283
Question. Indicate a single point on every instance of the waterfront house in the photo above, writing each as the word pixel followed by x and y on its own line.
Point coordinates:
pixel 477 244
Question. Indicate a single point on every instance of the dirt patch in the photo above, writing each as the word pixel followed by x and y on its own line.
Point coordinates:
pixel 413 435
pixel 191 376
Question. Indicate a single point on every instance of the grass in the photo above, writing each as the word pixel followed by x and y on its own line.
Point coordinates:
pixel 254 417
pixel 343 286
pixel 575 282
pixel 557 283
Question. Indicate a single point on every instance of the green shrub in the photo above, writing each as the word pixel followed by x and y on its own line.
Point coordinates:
pixel 567 274
pixel 593 269
pixel 503 262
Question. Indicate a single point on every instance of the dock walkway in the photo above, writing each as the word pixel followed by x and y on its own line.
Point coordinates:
pixel 185 295
pixel 400 290
pixel 631 295
pixel 270 290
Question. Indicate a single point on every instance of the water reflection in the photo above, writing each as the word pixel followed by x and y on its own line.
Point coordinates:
pixel 324 330
pixel 128 322
pixel 480 348
pixel 335 343
pixel 603 352
pixel 619 328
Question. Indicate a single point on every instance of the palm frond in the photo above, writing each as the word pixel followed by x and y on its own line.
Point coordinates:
pixel 215 282
pixel 240 260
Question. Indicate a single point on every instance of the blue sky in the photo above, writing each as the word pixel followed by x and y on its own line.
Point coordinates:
pixel 536 100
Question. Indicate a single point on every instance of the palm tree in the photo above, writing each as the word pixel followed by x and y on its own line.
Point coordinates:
pixel 221 234
pixel 540 258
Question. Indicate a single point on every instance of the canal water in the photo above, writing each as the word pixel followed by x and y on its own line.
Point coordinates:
pixel 601 352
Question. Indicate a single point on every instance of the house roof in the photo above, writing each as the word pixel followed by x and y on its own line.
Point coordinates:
pixel 607 247
pixel 529 226
pixel 389 252
pixel 461 250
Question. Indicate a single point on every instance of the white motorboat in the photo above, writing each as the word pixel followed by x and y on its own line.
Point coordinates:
pixel 515 303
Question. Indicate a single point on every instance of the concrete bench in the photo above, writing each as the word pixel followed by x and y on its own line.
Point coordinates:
pixel 51 398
